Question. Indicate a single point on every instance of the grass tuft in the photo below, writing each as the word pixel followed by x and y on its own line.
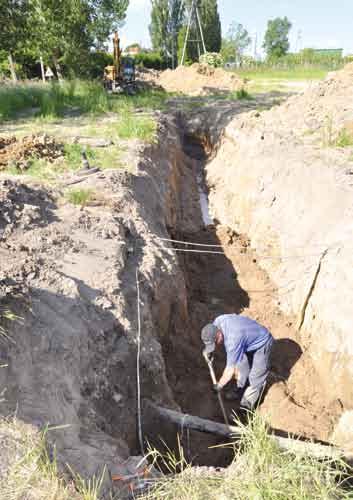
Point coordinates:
pixel 344 139
pixel 6 316
pixel 80 197
pixel 243 94
pixel 260 470
pixel 131 126
pixel 89 489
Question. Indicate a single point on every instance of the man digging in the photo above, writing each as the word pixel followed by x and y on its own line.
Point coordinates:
pixel 248 347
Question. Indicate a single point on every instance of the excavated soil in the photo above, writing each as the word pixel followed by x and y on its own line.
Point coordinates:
pixel 198 80
pixel 19 152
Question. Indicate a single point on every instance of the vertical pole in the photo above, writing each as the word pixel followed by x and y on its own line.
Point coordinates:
pixel 201 30
pixel 139 416
pixel 42 68
pixel 187 33
pixel 12 68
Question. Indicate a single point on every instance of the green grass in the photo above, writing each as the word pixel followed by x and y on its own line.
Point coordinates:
pixel 135 127
pixel 260 470
pixel 296 73
pixel 344 139
pixel 80 197
pixel 47 172
pixel 32 474
pixel 54 100
pixel 6 317
pixel 89 489
pixel 53 103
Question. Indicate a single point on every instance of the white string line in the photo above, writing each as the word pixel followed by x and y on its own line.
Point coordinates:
pixel 254 257
pixel 312 245
pixel 188 242
pixel 194 251
pixel 139 418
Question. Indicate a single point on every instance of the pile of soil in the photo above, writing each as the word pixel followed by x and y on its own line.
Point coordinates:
pixel 317 116
pixel 19 152
pixel 199 80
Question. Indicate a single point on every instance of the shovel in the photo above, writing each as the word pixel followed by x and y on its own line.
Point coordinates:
pixel 214 381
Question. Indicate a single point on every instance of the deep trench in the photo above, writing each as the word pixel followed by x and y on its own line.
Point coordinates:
pixel 213 288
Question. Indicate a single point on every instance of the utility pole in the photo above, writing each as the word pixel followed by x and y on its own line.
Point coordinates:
pixel 255 46
pixel 298 42
pixel 193 18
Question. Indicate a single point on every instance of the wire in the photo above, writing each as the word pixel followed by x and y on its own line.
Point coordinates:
pixel 254 257
pixel 189 242
pixel 194 251
pixel 139 417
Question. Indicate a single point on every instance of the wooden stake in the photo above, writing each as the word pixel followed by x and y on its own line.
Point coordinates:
pixel 12 68
pixel 42 68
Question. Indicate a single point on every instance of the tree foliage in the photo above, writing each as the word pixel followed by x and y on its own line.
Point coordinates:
pixel 63 30
pixel 276 42
pixel 211 30
pixel 211 25
pixel 235 43
pixel 166 21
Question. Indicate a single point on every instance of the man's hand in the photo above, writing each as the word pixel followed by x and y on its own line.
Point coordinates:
pixel 217 388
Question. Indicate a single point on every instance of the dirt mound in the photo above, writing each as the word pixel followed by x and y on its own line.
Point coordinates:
pixel 19 152
pixel 199 79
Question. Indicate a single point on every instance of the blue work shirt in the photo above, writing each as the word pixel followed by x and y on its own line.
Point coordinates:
pixel 241 335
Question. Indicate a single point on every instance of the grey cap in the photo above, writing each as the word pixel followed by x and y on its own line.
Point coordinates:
pixel 208 336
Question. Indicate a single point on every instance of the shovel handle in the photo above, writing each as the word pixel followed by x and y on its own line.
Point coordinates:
pixel 220 399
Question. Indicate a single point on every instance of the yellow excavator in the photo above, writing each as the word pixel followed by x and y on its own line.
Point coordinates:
pixel 121 76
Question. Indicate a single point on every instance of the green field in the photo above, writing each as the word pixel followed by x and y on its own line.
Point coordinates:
pixel 297 73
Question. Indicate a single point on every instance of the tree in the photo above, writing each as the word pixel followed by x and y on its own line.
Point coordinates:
pixel 66 31
pixel 235 43
pixel 276 43
pixel 14 30
pixel 211 25
pixel 211 29
pixel 166 21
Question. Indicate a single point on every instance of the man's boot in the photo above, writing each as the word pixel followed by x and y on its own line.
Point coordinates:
pixel 250 398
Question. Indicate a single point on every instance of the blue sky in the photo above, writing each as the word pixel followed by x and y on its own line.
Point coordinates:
pixel 323 23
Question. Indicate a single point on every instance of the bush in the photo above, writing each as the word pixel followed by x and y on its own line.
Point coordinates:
pixel 213 59
pixel 151 60
pixel 97 62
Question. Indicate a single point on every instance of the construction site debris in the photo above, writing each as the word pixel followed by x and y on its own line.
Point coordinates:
pixel 19 152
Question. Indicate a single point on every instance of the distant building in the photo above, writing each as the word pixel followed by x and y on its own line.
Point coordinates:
pixel 329 52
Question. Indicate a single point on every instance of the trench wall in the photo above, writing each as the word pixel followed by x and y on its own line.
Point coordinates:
pixel 70 275
pixel 295 204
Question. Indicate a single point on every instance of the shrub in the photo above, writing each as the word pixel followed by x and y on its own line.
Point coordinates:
pixel 97 62
pixel 151 60
pixel 213 59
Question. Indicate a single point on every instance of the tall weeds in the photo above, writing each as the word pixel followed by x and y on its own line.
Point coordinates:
pixel 260 470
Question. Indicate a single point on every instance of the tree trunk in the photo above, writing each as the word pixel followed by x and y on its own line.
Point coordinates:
pixel 58 69
pixel 12 68
pixel 231 431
